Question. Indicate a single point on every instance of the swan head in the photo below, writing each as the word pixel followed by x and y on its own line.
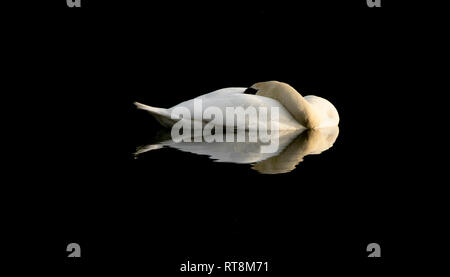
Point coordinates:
pixel 327 113
pixel 310 111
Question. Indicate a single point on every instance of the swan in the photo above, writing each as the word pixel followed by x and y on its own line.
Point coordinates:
pixel 295 111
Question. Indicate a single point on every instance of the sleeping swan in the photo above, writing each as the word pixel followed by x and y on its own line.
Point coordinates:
pixel 294 111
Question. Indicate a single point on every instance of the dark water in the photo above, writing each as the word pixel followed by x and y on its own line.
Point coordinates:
pixel 150 214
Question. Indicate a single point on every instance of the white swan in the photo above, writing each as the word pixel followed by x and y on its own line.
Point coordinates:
pixel 295 111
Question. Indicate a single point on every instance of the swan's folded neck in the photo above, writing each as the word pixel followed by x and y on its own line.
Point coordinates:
pixel 311 112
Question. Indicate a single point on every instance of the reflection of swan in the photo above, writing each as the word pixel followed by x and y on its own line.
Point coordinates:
pixel 295 111
pixel 293 146
pixel 308 142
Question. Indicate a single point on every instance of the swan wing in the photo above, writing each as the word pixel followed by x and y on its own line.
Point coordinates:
pixel 236 99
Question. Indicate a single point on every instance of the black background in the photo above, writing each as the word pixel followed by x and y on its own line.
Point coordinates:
pixel 77 73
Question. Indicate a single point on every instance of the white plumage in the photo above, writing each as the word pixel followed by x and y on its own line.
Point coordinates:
pixel 295 112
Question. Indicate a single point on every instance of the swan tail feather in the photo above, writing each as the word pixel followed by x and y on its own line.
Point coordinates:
pixel 146 148
pixel 160 114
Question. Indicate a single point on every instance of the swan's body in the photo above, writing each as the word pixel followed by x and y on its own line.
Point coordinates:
pixel 295 112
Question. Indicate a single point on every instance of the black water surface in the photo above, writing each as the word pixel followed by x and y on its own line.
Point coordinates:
pixel 83 71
